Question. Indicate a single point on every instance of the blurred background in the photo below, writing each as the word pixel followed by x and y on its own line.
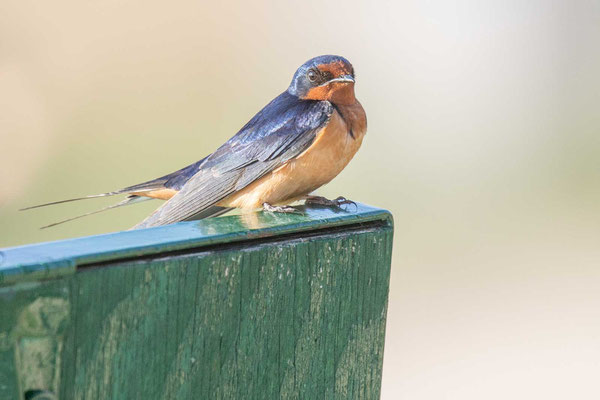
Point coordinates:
pixel 483 140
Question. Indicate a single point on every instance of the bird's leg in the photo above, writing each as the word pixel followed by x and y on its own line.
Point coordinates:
pixel 323 201
pixel 280 209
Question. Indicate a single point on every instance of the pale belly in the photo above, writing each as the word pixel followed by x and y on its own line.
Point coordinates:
pixel 329 154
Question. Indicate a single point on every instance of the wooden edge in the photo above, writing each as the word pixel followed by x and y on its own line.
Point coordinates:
pixel 59 258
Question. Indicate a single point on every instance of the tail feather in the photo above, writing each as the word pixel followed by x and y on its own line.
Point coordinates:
pixel 128 200
pixel 93 196
pixel 174 180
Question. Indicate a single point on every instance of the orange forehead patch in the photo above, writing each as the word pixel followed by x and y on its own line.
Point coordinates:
pixel 336 68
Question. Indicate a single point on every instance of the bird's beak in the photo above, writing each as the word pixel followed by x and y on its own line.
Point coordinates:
pixel 341 79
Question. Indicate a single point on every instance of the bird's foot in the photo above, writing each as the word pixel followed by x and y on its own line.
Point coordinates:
pixel 323 201
pixel 280 209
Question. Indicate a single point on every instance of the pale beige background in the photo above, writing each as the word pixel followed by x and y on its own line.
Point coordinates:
pixel 484 141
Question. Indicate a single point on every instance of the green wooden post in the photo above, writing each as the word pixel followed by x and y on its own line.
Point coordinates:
pixel 259 306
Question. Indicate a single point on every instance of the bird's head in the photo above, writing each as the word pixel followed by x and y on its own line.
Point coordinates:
pixel 328 78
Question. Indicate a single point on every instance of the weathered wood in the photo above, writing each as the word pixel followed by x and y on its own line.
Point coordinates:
pixel 250 307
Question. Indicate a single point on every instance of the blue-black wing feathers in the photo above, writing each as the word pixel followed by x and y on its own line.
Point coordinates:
pixel 279 132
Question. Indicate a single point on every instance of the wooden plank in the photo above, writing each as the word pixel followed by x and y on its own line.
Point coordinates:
pixel 293 307
pixel 53 259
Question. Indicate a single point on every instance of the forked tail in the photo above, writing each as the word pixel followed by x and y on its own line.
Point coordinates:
pixel 128 200
pixel 93 196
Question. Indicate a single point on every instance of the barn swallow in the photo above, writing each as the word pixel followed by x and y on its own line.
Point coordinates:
pixel 298 142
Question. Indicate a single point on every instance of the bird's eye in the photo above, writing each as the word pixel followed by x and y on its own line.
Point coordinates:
pixel 312 75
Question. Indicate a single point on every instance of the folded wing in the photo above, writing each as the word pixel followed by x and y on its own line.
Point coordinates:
pixel 279 132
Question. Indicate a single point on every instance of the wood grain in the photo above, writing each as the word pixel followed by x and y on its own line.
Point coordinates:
pixel 300 315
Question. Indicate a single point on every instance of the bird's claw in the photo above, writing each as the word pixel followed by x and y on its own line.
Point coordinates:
pixel 323 201
pixel 341 200
pixel 280 209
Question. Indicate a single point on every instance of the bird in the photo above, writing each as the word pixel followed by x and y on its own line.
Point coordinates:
pixel 297 143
